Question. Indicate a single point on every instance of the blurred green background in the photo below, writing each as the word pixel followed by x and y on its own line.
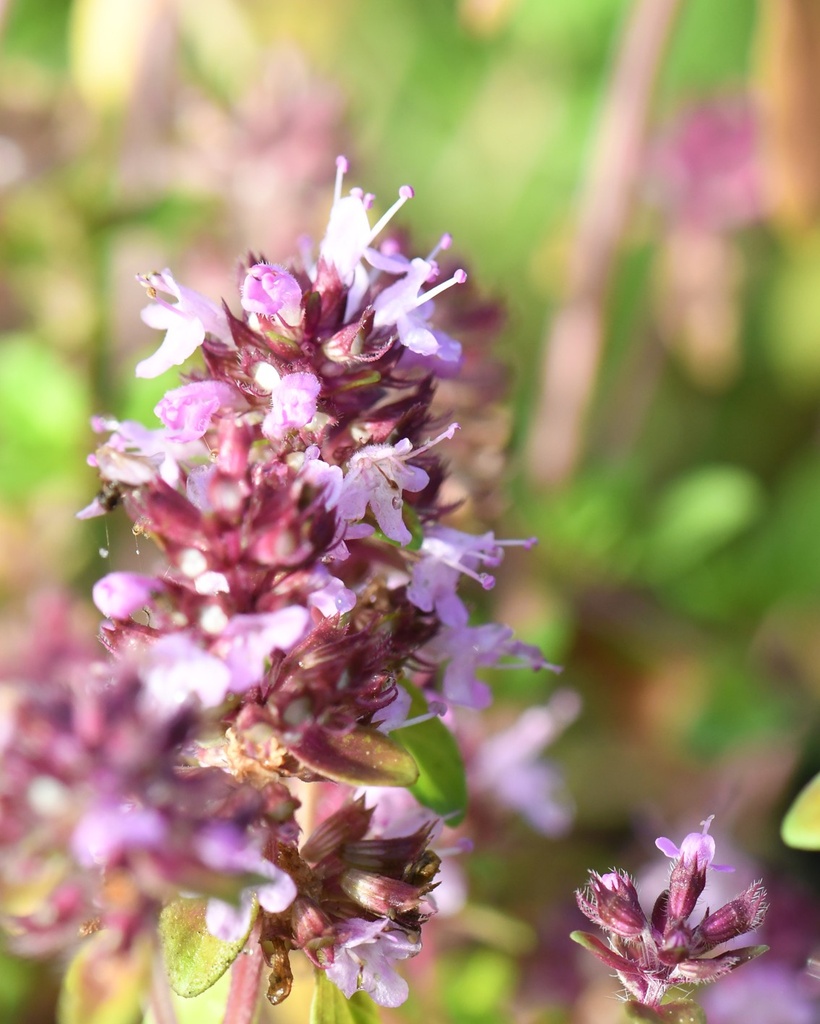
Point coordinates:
pixel 673 475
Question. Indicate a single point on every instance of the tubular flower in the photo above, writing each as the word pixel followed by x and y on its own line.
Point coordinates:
pixel 307 609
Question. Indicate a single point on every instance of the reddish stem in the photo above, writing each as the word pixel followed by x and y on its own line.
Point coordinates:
pixel 161 1005
pixel 246 978
pixel 575 341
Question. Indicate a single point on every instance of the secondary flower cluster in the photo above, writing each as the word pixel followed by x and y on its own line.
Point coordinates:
pixel 308 593
pixel 651 955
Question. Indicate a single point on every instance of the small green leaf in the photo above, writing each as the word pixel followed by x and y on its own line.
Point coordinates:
pixel 331 1006
pixel 104 985
pixel 442 783
pixel 363 757
pixel 681 1011
pixel 640 1013
pixel 801 826
pixel 194 958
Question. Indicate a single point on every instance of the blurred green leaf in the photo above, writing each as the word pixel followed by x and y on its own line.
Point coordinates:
pixel 681 1011
pixel 698 514
pixel 793 320
pixel 331 1006
pixel 194 958
pixel 43 410
pixel 442 783
pixel 477 987
pixel 801 826
pixel 105 986
pixel 741 705
pixel 206 1008
pixel 37 29
pixel 709 49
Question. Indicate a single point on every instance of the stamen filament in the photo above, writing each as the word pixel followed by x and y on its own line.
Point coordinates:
pixel 443 243
pixel 459 277
pixel 405 193
pixel 342 167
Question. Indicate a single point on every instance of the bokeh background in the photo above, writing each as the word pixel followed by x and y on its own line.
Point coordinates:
pixel 636 183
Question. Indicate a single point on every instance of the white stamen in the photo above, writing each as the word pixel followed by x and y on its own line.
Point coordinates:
pixel 444 242
pixel 448 434
pixel 527 543
pixel 405 192
pixel 342 167
pixel 459 277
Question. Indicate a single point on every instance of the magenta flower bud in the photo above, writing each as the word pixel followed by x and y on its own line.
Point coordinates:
pixel 187 411
pixel 272 292
pixel 313 931
pixel 611 902
pixel 119 594
pixel 740 915
pixel 385 897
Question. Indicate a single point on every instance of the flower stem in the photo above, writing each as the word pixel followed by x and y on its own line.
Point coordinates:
pixel 573 351
pixel 246 975
pixel 162 1007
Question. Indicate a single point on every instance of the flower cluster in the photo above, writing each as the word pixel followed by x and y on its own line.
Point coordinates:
pixel 652 954
pixel 307 595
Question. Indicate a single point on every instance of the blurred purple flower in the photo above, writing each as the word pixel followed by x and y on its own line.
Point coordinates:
pixel 509 765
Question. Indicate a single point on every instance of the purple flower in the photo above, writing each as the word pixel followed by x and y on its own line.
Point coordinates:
pixel 467 648
pixel 697 850
pixel 176 668
pixel 349 233
pixel 364 959
pixel 185 324
pixel 509 765
pixel 120 594
pixel 402 305
pixel 763 994
pixel 187 411
pixel 270 291
pixel 106 831
pixel 293 400
pixel 652 954
pixel 293 450
pixel 376 476
pixel 230 921
pixel 247 641
pixel 447 554
pixel 332 598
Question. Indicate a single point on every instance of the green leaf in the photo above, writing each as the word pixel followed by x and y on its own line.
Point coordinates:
pixel 698 514
pixel 42 439
pixel 801 826
pixel 639 1012
pixel 104 985
pixel 331 1006
pixel 363 757
pixel 442 782
pixel 194 958
pixel 681 1011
